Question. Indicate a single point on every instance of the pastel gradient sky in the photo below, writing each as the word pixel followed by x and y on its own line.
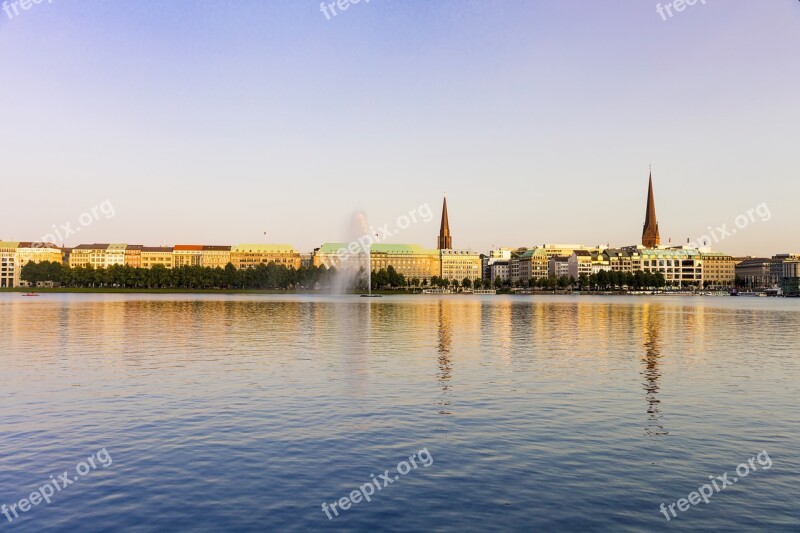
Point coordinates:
pixel 214 122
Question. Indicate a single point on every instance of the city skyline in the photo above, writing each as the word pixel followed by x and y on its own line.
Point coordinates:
pixel 201 143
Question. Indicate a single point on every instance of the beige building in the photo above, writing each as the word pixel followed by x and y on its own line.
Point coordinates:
pixel 719 270
pixel 460 264
pixel 215 256
pixel 156 255
pixel 533 264
pixel 250 255
pixel 115 255
pixel 580 262
pixel 89 255
pixel 187 255
pixel 9 272
pixel 15 255
pixel 410 260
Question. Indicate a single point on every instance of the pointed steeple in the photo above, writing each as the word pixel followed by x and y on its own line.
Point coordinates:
pixel 445 239
pixel 650 234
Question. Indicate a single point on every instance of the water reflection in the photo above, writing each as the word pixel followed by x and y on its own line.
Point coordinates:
pixel 445 341
pixel 652 317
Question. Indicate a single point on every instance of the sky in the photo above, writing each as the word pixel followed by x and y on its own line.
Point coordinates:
pixel 269 121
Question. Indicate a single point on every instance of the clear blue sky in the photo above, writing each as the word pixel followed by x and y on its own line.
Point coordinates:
pixel 214 122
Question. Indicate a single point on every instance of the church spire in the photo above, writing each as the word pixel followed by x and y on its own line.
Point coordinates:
pixel 445 239
pixel 650 234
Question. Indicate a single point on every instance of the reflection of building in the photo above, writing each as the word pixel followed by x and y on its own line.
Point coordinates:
pixel 651 327
pixel 445 333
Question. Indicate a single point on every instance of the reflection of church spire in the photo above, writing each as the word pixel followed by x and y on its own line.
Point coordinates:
pixel 650 372
pixel 444 362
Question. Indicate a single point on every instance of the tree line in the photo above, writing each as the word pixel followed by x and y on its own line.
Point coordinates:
pixel 262 276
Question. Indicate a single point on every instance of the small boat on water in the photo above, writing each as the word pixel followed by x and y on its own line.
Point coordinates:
pixel 30 294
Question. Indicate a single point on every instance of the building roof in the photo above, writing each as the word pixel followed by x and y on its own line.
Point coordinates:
pixel 216 248
pixel 161 249
pixel 95 246
pixel 189 247
pixel 30 244
pixel 265 248
pixel 117 247
pixel 406 249
pixel 582 253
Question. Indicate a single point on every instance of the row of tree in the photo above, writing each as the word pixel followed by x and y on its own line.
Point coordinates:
pixel 263 276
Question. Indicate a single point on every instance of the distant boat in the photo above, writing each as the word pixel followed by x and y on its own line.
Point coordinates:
pixel 30 294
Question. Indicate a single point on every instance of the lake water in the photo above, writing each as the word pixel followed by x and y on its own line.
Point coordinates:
pixel 246 413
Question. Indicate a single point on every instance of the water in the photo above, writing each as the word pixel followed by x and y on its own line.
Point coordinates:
pixel 539 413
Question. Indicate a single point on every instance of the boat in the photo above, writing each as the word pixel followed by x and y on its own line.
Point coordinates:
pixel 30 294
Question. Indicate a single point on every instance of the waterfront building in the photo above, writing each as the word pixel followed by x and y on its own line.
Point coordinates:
pixel 133 255
pixel 681 267
pixel 157 255
pixel 410 260
pixel 618 260
pixel 756 273
pixel 460 264
pixel 651 238
pixel 565 250
pixel 533 264
pixel 580 262
pixel 84 255
pixel 600 262
pixel 719 270
pixel 215 256
pixel 251 255
pixel 38 252
pixel 115 255
pixel 790 277
pixel 558 266
pixel 9 272
pixel 187 255
pixel 499 269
